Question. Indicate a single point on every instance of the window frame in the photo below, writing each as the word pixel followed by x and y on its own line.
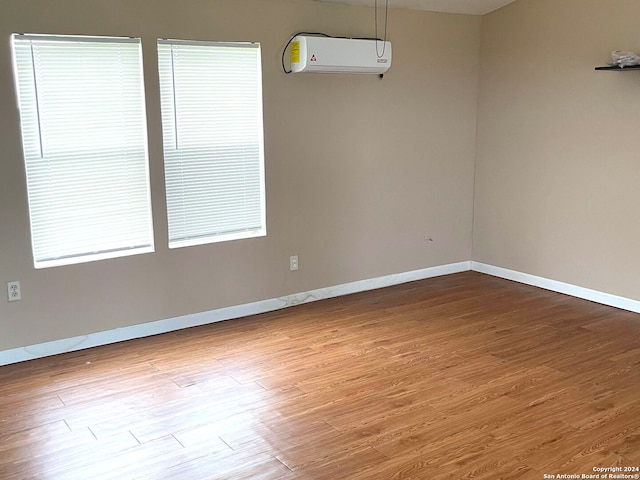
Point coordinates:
pixel 138 160
pixel 172 138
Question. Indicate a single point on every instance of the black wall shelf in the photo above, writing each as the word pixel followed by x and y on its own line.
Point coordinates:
pixel 618 69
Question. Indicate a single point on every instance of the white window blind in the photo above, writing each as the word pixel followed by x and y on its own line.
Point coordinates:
pixel 85 146
pixel 213 140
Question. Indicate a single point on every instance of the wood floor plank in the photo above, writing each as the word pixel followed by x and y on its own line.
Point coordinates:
pixel 464 376
pixel 63 455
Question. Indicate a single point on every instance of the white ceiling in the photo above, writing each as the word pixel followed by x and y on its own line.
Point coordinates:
pixel 473 7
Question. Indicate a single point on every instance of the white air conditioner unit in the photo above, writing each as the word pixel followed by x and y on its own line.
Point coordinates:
pixel 339 55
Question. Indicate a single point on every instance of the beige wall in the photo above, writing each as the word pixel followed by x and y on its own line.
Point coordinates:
pixel 558 166
pixel 358 170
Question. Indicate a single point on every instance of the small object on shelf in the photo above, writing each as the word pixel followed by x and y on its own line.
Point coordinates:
pixel 622 61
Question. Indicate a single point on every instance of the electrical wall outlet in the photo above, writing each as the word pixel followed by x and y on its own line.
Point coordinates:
pixel 293 262
pixel 13 291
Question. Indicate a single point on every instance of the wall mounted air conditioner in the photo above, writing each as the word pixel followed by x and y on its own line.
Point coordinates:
pixel 339 55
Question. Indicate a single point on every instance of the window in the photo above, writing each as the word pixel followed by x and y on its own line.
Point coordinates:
pixel 213 140
pixel 85 147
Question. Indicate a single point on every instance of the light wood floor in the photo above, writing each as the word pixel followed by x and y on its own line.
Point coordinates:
pixel 464 376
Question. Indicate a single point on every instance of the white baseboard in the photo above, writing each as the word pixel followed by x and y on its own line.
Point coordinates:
pixel 193 320
pixel 177 323
pixel 560 287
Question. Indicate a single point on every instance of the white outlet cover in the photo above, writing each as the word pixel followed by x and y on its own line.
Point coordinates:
pixel 13 291
pixel 293 262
